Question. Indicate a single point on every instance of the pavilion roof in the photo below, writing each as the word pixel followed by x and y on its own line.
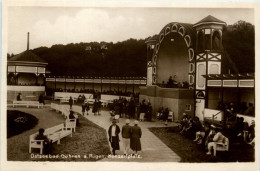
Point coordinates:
pixel 208 20
pixel 27 56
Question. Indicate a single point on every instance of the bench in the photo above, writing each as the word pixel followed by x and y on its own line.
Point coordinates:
pixel 66 99
pixel 170 116
pixel 71 124
pixel 55 134
pixel 55 107
pixel 27 103
pixel 90 101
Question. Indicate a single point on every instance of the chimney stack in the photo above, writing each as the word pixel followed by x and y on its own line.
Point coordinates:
pixel 28 41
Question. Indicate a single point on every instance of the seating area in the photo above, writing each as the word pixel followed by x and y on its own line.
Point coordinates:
pixel 55 134
pixel 27 103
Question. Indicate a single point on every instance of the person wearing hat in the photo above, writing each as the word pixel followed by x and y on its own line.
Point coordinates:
pixel 135 142
pixel 113 133
pixel 210 136
pixel 218 138
pixel 126 135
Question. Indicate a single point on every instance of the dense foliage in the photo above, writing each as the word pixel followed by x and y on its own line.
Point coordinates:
pixel 127 58
pixel 239 42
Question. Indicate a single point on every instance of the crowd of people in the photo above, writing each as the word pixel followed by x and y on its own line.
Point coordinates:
pixel 132 109
pixel 243 108
pixel 208 135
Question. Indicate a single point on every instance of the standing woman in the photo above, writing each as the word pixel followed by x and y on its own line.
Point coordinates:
pixel 83 108
pixel 95 107
pixel 113 133
pixel 87 107
pixel 135 143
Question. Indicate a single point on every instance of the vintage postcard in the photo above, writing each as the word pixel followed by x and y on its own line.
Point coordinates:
pixel 128 86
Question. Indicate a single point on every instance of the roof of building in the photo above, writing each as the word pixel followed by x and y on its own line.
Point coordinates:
pixel 153 38
pixel 209 19
pixel 27 56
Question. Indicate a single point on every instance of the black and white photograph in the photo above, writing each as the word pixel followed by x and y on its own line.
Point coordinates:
pixel 141 84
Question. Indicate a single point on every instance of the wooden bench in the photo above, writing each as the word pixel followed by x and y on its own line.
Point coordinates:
pixel 90 101
pixel 71 124
pixel 27 103
pixel 55 107
pixel 55 134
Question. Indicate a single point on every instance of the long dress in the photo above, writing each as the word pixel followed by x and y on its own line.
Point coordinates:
pixel 135 143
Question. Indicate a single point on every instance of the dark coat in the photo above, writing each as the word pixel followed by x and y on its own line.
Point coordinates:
pixel 135 142
pixel 70 101
pixel 83 107
pixel 126 131
pixel 114 141
pixel 95 107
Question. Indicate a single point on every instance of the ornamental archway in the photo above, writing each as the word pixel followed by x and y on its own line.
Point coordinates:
pixel 174 54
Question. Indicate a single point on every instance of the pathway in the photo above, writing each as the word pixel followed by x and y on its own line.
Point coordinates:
pixel 153 149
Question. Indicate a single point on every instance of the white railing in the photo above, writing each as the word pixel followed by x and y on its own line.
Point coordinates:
pixel 25 88
pixel 216 115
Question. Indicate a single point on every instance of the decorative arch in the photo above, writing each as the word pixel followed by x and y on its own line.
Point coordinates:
pixel 188 34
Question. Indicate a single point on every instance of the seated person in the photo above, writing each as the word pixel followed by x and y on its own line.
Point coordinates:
pixel 238 127
pixel 46 142
pixel 188 127
pixel 250 110
pixel 183 121
pixel 160 114
pixel 202 134
pixel 210 136
pixel 19 97
pixel 251 132
pixel 218 138
pixel 74 116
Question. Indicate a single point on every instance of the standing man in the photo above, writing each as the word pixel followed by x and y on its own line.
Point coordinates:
pixel 135 138
pixel 113 133
pixel 70 102
pixel 126 135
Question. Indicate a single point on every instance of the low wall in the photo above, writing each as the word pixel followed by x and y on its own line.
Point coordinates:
pixel 173 98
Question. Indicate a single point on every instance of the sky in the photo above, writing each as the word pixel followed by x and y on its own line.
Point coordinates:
pixel 63 25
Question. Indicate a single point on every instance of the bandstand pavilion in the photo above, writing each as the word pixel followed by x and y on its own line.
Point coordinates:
pixel 203 72
pixel 26 75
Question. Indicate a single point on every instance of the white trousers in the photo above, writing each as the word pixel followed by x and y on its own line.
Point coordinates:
pixel 126 144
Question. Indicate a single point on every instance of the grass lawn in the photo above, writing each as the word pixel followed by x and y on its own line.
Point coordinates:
pixel 88 139
pixel 189 151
